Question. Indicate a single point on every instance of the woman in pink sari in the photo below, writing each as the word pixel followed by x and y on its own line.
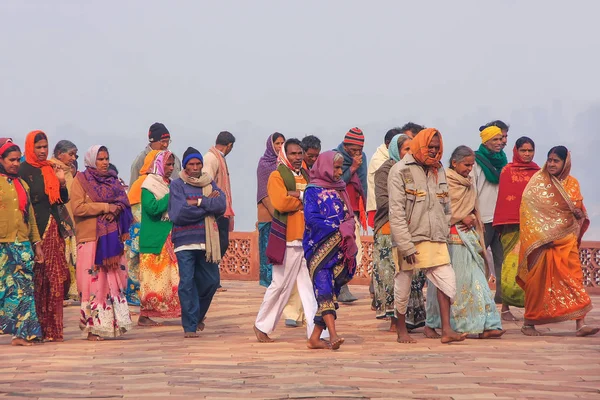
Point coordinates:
pixel 102 219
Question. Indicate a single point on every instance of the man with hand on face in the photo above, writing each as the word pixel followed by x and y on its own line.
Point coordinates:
pixel 286 191
pixel 159 138
pixel 194 205
pixel 355 175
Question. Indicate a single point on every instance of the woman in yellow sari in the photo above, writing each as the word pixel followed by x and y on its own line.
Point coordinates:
pixel 553 221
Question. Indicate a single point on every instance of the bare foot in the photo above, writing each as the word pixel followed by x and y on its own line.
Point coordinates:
pixel 430 333
pixel 530 331
pixel 221 289
pixel 587 331
pixel 336 343
pixel 94 338
pixel 508 316
pixel 145 321
pixel 405 338
pixel 492 334
pixel 21 342
pixel 190 335
pixel 393 322
pixel 452 336
pixel 319 344
pixel 200 326
pixel 261 336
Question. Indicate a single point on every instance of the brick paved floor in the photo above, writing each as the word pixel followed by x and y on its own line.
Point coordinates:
pixel 227 362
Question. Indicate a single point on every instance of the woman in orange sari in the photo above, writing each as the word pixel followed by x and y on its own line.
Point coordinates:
pixel 553 221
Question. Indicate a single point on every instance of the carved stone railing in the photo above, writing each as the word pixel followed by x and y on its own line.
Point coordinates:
pixel 589 254
pixel 242 261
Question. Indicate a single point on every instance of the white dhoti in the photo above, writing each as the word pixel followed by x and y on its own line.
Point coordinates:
pixel 293 271
pixel 442 277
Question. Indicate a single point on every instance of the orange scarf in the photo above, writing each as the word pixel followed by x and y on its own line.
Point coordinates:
pixel 51 183
pixel 419 147
pixel 135 191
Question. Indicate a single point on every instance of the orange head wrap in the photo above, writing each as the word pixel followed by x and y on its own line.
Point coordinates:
pixel 420 149
pixel 51 183
pixel 135 191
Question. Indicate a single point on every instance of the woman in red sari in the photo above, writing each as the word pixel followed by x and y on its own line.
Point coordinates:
pixel 513 179
pixel 553 221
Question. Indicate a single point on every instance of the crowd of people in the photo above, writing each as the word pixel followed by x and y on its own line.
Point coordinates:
pixel 86 236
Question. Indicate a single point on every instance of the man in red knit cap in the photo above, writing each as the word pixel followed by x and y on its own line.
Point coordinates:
pixel 355 176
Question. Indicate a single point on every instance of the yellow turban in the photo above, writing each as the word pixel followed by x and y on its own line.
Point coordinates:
pixel 489 133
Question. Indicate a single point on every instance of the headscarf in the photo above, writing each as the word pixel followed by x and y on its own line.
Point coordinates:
pixel 5 144
pixel 394 149
pixel 488 133
pixel 513 180
pixel 135 191
pixel 566 171
pixel 282 159
pixel 105 187
pixel 89 160
pixel 156 182
pixel 51 183
pixel 158 167
pixel 321 175
pixel 420 149
pixel 266 165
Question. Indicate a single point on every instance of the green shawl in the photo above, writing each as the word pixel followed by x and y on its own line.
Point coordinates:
pixel 491 163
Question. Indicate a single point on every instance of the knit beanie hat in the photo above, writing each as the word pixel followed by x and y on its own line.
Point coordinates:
pixel 158 132
pixel 191 153
pixel 355 136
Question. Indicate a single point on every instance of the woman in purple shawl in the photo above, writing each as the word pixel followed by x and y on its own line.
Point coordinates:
pixel 329 242
pixel 102 220
pixel 266 165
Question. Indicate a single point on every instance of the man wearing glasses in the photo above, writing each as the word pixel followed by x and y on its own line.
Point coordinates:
pixel 159 139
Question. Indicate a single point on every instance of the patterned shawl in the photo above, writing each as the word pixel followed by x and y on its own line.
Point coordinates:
pixel 266 165
pixel 105 187
pixel 513 179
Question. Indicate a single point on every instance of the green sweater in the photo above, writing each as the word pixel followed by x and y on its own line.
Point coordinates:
pixel 153 232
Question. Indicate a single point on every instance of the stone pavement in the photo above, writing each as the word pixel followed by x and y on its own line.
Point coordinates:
pixel 227 362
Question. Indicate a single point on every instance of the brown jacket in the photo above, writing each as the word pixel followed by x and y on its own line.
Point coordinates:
pixel 382 215
pixel 86 213
pixel 419 206
pixel 12 225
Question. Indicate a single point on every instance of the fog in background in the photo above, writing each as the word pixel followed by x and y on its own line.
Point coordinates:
pixel 104 72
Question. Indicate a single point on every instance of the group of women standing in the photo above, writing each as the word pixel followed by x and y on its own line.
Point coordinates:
pixel 62 235
pixel 541 219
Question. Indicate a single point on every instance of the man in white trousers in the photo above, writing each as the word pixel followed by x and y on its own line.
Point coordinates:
pixel 286 189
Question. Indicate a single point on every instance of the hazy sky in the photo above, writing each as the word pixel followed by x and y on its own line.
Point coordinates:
pixel 104 72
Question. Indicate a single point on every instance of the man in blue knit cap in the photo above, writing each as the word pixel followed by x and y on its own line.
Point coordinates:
pixel 194 205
